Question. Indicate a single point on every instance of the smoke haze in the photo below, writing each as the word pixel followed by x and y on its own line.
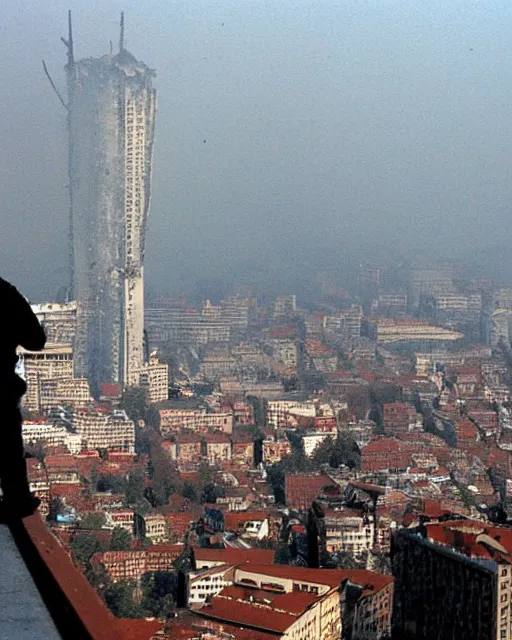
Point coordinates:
pixel 286 135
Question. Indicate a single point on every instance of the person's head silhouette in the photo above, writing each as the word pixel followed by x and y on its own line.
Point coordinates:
pixel 18 327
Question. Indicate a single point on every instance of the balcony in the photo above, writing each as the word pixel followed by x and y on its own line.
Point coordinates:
pixel 43 595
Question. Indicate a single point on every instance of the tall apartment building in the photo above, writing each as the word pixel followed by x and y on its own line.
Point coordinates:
pixel 58 321
pixel 235 312
pixel 111 118
pixel 452 580
pixel 54 362
pixel 284 306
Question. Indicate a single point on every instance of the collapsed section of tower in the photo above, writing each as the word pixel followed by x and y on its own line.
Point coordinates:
pixel 111 121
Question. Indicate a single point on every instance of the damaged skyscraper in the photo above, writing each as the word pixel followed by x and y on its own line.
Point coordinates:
pixel 111 120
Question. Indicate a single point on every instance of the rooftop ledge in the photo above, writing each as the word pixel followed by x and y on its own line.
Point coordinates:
pixel 43 594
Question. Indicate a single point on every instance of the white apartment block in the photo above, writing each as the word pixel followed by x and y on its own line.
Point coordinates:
pixel 310 441
pixel 156 528
pixel 347 533
pixel 172 421
pixel 100 429
pixel 155 378
pixel 278 411
pixel 50 436
pixel 72 392
pixel 285 351
pixel 58 320
pixel 203 584
pixel 55 361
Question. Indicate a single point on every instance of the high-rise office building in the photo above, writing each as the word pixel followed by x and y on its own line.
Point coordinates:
pixel 111 118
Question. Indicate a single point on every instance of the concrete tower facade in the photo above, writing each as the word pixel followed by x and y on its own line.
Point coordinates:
pixel 111 120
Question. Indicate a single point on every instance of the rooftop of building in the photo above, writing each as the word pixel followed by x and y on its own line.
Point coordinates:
pixel 332 578
pixel 472 538
pixel 234 556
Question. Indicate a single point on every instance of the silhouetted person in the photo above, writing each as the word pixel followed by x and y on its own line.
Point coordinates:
pixel 18 326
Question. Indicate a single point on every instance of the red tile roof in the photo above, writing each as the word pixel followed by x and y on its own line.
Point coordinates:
pixel 301 488
pixel 109 390
pixel 132 629
pixel 371 580
pixel 234 556
pixel 247 614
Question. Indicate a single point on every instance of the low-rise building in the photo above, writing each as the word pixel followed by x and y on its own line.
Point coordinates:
pixel 122 518
pixel 311 440
pixel 275 449
pixel 62 468
pixel 349 532
pixel 279 410
pixel 242 448
pixel 188 448
pixel 132 565
pixel 50 435
pixel 295 603
pixel 301 489
pixel 174 420
pixel 156 527
pixel 218 448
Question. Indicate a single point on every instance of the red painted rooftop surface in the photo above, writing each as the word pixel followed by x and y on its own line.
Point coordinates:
pixel 462 535
pixel 302 489
pixel 247 614
pixel 329 577
pixel 234 556
pixel 109 390
pixel 131 629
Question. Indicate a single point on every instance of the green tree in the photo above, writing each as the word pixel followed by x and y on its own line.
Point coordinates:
pixel 294 463
pixel 184 562
pixel 205 474
pixel 95 521
pixel 282 555
pixel 119 598
pixel 84 546
pixel 358 400
pixel 135 402
pixel 36 450
pixel 120 540
pixel 338 451
pixel 211 492
pixel 159 593
pixel 135 485
pixel 164 477
pixel 189 492
pixel 339 560
pixel 111 482
pixel 97 576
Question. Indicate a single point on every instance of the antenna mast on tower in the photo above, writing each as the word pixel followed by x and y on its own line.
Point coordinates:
pixel 121 34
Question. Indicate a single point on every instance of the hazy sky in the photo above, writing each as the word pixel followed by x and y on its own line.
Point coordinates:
pixel 327 124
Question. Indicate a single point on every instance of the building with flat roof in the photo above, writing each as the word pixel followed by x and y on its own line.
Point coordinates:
pixel 453 580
